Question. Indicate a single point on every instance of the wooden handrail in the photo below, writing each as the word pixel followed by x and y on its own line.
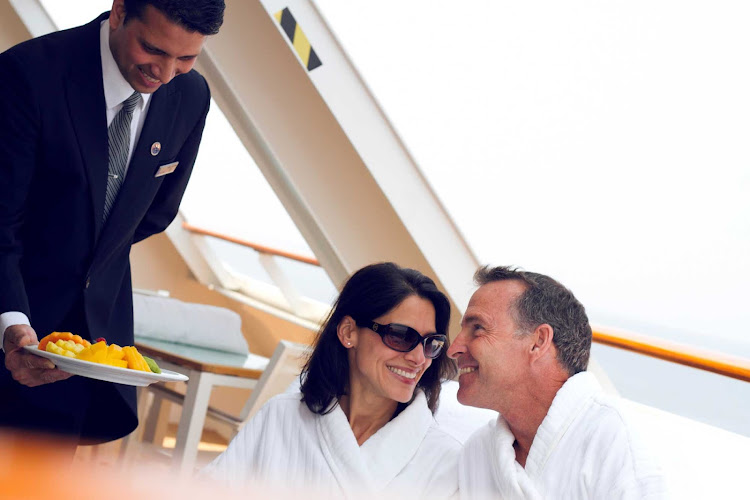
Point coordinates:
pixel 683 354
pixel 249 244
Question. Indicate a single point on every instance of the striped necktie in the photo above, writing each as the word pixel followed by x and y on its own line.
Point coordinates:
pixel 119 149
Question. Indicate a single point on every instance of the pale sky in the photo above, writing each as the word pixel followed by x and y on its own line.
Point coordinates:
pixel 603 143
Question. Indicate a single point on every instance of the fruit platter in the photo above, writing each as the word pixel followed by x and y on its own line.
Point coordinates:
pixel 101 361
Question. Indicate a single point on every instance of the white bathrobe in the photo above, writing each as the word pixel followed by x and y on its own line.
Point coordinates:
pixel 286 444
pixel 583 449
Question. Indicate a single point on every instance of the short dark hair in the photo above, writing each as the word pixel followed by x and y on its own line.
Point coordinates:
pixel 203 16
pixel 368 294
pixel 547 301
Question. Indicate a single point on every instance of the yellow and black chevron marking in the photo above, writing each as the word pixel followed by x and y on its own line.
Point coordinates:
pixel 299 40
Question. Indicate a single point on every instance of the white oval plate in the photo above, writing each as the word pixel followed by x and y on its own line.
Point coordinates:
pixel 107 373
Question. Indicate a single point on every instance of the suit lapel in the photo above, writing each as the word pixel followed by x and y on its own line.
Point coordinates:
pixel 87 108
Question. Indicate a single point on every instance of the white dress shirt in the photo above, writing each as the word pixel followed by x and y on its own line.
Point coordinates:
pixel 116 90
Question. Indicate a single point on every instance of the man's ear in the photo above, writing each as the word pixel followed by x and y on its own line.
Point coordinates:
pixel 542 336
pixel 117 14
pixel 347 332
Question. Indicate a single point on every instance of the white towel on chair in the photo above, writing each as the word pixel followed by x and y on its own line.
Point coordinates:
pixel 172 320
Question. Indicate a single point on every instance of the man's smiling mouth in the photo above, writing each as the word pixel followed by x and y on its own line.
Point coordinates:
pixel 147 77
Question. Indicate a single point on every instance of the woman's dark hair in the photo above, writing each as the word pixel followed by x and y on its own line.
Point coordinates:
pixel 368 294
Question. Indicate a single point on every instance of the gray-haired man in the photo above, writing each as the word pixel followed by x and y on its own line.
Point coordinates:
pixel 523 350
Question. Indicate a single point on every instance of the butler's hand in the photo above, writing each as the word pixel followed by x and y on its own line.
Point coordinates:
pixel 26 368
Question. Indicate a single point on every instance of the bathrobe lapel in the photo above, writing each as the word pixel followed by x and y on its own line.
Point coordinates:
pixel 570 401
pixel 510 478
pixel 342 454
pixel 514 481
pixel 371 467
pixel 391 449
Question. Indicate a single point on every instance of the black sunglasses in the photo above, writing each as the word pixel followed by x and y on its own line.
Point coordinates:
pixel 403 338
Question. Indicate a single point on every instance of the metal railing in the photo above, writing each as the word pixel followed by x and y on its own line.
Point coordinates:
pixel 675 352
pixel 259 248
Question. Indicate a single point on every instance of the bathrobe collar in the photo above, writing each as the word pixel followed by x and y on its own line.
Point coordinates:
pixel 372 466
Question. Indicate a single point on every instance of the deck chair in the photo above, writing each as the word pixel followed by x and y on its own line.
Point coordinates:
pixel 280 375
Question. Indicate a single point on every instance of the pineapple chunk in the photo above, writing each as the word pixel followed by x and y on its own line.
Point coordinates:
pixel 54 348
pixel 63 348
pixel 72 346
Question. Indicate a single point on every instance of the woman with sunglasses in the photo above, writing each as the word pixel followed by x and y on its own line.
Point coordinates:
pixel 363 422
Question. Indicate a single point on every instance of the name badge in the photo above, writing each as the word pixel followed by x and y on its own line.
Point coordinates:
pixel 166 169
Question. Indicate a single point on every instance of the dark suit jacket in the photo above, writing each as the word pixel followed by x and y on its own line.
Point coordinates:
pixel 59 263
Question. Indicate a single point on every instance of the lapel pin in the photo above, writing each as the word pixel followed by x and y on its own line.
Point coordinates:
pixel 155 148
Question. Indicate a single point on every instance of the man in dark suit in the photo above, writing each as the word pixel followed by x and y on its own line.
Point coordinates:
pixel 99 130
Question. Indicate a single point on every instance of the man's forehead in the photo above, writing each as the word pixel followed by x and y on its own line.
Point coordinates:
pixel 165 34
pixel 172 46
pixel 494 297
pixel 481 308
pixel 474 314
pixel 498 291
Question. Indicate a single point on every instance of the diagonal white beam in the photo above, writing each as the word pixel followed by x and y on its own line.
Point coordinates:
pixel 328 151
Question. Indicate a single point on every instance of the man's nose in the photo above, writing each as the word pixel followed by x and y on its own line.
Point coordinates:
pixel 457 347
pixel 167 71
